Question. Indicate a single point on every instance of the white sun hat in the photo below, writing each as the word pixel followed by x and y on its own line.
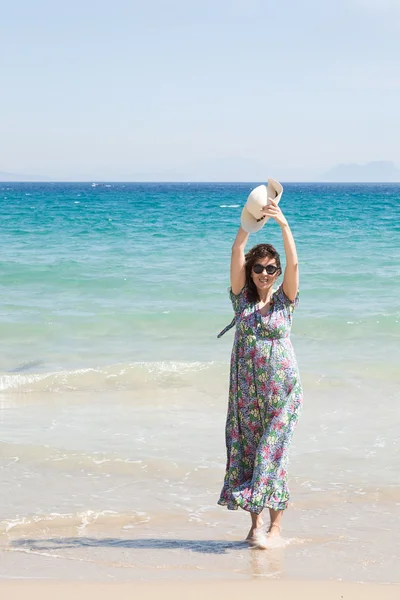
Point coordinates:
pixel 252 219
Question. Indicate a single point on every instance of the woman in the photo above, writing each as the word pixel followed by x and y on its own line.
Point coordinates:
pixel 265 395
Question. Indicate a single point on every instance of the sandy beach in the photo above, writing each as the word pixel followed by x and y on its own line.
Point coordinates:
pixel 191 591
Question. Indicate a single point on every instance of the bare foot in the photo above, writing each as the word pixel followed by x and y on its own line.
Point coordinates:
pixel 251 536
pixel 262 540
pixel 258 538
pixel 274 530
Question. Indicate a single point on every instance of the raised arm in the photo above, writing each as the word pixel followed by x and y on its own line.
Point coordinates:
pixel 238 273
pixel 291 275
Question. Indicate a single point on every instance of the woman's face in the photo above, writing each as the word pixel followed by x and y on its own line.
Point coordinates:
pixel 264 280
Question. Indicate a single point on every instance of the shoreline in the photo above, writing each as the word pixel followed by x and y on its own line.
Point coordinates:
pixel 302 590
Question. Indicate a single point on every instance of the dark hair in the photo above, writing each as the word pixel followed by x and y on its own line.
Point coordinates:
pixel 259 251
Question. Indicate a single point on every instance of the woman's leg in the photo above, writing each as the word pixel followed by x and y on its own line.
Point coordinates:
pixel 275 525
pixel 256 523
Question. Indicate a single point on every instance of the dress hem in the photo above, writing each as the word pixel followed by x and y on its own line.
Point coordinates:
pixel 254 508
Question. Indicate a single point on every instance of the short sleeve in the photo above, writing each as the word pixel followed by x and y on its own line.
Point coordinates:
pixel 239 301
pixel 281 297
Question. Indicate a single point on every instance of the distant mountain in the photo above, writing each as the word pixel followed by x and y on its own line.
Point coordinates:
pixel 21 177
pixel 384 171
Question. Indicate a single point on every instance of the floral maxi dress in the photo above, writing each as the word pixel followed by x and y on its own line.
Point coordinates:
pixel 265 400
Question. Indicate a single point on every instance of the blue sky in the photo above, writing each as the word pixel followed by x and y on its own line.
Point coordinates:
pixel 179 90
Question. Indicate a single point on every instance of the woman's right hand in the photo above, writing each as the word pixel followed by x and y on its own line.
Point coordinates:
pixel 273 211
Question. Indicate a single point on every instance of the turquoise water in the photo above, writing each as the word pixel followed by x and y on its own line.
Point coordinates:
pixel 96 275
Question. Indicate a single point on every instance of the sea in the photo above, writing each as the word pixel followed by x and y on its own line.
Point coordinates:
pixel 113 384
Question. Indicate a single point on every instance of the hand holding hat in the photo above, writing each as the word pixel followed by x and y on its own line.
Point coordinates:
pixel 272 211
pixel 253 215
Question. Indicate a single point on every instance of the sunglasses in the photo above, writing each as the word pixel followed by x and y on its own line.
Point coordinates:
pixel 270 269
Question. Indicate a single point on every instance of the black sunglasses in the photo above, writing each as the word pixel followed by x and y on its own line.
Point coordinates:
pixel 270 269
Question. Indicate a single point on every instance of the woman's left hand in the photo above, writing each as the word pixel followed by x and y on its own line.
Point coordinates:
pixel 273 211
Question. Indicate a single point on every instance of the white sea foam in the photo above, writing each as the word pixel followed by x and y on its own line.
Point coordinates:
pixel 110 377
pixel 81 520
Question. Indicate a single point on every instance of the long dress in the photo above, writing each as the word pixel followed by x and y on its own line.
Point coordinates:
pixel 265 401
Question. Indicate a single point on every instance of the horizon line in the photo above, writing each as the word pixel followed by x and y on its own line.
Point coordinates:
pixel 102 181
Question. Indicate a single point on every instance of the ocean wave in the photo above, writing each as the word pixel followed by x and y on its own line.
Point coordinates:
pixel 149 379
pixel 80 520
pixel 229 205
pixel 115 377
